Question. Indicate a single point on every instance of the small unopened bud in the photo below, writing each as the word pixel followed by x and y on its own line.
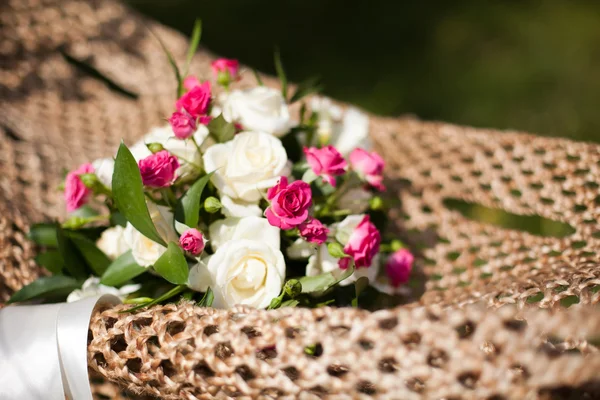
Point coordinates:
pixel 293 288
pixel 212 205
pixel 89 180
pixel 396 245
pixel 74 223
pixel 376 203
pixel 155 147
pixel 336 250
pixel 224 78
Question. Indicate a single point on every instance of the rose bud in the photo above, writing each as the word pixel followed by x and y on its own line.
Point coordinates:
pixel 76 193
pixel 289 203
pixel 182 124
pixel 363 244
pixel 326 162
pixel 192 241
pixel 398 267
pixel 225 71
pixel 158 170
pixel 313 231
pixel 369 166
pixel 190 82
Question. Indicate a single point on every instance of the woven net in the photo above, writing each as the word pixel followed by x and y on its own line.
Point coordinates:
pixel 78 76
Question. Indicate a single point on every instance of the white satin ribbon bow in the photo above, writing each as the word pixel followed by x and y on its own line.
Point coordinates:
pixel 43 350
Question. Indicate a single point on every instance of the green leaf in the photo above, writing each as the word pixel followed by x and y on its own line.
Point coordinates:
pixel 289 303
pixel 173 292
pixel 207 299
pixel 95 258
pixel 336 250
pixel 84 212
pixel 74 263
pixel 323 282
pixel 121 270
pixel 43 234
pixel 221 130
pixel 194 42
pixel 187 210
pixel 281 73
pixel 117 218
pixel 257 77
pixel 45 286
pixel 128 191
pixel 173 65
pixel 305 88
pixel 172 265
pixel 51 260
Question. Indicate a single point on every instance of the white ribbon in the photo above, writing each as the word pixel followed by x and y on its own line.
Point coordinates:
pixel 43 350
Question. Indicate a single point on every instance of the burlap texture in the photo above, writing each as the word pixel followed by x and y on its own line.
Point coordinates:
pixel 57 113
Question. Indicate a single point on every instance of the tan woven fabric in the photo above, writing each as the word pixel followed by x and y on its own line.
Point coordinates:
pixel 57 114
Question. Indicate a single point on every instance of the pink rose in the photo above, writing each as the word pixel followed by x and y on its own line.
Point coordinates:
pixel 370 166
pixel 326 162
pixel 362 245
pixel 76 193
pixel 183 125
pixel 313 231
pixel 196 101
pixel 192 241
pixel 205 119
pixel 190 82
pixel 398 267
pixel 158 170
pixel 289 203
pixel 227 66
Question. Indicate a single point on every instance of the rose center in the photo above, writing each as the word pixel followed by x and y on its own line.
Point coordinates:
pixel 252 274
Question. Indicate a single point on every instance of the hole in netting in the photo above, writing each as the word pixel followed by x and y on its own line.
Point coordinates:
pixel 267 353
pixel 110 322
pixel 245 372
pixel 204 370
pixel 339 330
pixel 175 327
pixel 466 329
pixel 469 379
pixel 366 387
pixel 118 344
pixel 579 244
pixel 315 350
pixel 251 332
pixel 318 390
pixel 437 358
pixel 134 365
pixel 388 323
pixel 291 332
pixel 223 350
pixel 516 325
pixel 337 370
pixel 291 372
pixel 496 397
pixel 365 344
pixel 586 390
pixel 415 385
pixel 168 368
pixel 211 330
pixel 569 301
pixel 272 392
pixel 533 224
pixel 535 298
pixel 100 360
pixel 519 373
pixel 153 341
pixel 140 323
pixel 387 365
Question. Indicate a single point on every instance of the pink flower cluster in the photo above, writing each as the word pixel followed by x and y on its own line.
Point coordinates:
pixel 158 170
pixel 363 245
pixel 76 193
pixel 327 162
pixel 191 108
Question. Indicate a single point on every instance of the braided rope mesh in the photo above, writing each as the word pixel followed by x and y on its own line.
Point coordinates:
pixel 58 112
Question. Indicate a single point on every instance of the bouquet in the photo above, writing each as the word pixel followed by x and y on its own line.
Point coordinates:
pixel 234 201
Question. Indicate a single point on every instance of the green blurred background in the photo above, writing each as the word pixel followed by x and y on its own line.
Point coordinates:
pixel 526 65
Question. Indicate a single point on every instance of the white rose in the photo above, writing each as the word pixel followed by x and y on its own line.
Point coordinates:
pixel 247 165
pixel 344 130
pixel 92 287
pixel 301 249
pixel 145 251
pixel 322 262
pixel 355 200
pixel 199 278
pixel 104 168
pixel 246 272
pixel 185 150
pixel 251 228
pixel 239 208
pixel 112 242
pixel 258 109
